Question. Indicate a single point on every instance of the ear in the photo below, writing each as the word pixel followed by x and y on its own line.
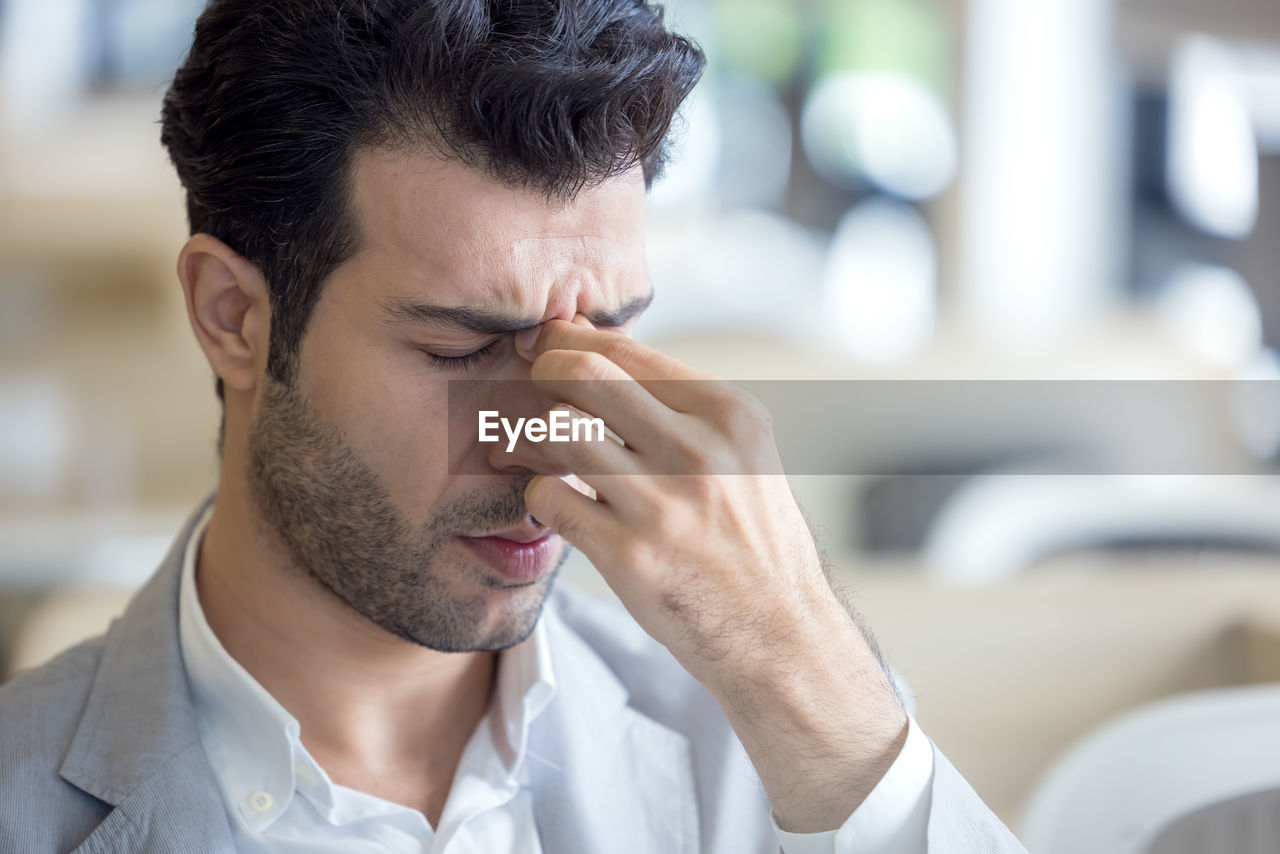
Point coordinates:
pixel 229 310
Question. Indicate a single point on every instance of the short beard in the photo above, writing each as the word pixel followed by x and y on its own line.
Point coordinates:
pixel 336 519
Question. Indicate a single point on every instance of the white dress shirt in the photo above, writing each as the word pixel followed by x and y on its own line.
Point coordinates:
pixel 279 799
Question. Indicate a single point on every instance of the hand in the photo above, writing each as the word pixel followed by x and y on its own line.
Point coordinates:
pixel 719 567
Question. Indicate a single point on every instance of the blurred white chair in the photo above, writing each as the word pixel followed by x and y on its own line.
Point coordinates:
pixel 999 525
pixel 1131 784
pixel 1249 824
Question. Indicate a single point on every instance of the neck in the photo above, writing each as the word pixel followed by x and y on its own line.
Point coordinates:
pixel 371 705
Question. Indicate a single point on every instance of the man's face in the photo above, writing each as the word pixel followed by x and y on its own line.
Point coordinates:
pixel 350 467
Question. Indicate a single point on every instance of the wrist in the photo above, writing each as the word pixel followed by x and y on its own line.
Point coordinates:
pixel 826 779
pixel 821 729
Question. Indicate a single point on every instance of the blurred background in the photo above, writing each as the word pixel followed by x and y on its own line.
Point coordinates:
pixel 864 190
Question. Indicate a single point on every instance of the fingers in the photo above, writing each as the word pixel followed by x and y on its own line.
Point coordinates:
pixel 674 384
pixel 640 362
pixel 582 522
pixel 589 382
pixel 586 449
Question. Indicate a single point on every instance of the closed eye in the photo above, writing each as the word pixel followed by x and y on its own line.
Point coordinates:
pixel 461 363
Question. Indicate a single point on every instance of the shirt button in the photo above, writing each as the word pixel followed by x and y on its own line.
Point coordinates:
pixel 261 801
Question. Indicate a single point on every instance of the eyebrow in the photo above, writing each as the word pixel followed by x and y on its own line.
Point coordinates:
pixel 484 321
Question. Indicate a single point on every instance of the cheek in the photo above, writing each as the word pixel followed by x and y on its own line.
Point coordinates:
pixel 395 418
pixel 407 434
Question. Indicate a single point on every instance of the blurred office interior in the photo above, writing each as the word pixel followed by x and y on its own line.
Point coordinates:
pixel 864 190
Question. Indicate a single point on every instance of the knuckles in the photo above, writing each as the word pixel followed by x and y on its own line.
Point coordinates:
pixel 689 453
pixel 583 458
pixel 632 554
pixel 740 415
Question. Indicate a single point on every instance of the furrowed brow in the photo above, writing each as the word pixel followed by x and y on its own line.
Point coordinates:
pixel 478 320
pixel 621 315
pixel 483 321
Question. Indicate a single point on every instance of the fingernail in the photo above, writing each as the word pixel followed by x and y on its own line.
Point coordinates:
pixel 526 338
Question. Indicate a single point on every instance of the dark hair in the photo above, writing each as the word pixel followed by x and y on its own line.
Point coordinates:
pixel 264 117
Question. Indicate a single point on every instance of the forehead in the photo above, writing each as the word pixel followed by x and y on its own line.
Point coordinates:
pixel 430 226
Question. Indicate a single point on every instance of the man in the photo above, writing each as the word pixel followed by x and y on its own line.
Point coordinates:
pixel 355 643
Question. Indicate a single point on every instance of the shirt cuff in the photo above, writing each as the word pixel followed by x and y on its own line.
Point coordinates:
pixel 893 819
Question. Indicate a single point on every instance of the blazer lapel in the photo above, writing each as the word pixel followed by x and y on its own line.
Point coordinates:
pixel 606 777
pixel 177 808
pixel 137 746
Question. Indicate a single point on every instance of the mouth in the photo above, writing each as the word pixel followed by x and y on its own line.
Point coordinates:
pixel 521 554
pixel 528 530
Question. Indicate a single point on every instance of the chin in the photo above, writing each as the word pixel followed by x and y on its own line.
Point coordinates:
pixel 515 611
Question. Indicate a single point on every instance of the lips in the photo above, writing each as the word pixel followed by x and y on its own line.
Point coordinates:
pixel 520 555
pixel 519 534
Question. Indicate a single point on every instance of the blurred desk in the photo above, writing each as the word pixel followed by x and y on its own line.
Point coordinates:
pixel 1262 647
pixel 1006 677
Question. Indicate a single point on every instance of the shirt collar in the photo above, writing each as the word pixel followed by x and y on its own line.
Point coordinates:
pixel 254 744
pixel 525 686
pixel 247 734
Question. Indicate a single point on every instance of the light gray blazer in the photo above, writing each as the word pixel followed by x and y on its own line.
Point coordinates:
pixel 99 750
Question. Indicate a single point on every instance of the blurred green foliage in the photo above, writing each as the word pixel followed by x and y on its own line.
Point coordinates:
pixel 778 41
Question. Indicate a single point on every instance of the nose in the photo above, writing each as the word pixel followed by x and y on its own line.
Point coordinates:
pixel 525 457
pixel 513 407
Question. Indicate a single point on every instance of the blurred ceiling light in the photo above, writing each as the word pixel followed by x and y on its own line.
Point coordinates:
pixel 1213 313
pixel 1040 223
pixel 1259 69
pixel 885 127
pixel 881 281
pixel 1213 157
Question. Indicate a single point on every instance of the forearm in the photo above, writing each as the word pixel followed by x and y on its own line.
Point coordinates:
pixel 819 718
